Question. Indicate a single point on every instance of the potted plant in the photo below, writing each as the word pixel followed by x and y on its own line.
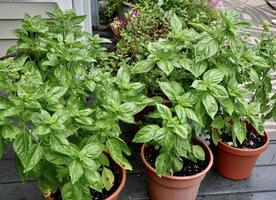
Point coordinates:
pixel 222 69
pixel 175 161
pixel 62 114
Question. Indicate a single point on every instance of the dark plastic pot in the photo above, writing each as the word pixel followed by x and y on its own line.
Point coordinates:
pixel 235 163
pixel 175 187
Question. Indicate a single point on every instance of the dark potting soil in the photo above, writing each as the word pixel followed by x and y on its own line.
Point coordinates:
pixel 189 167
pixel 252 140
pixel 101 196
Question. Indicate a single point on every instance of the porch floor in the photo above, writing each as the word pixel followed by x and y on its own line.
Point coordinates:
pixel 260 186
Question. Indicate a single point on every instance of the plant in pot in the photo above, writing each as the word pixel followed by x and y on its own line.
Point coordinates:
pixel 175 161
pixel 239 108
pixel 222 69
pixel 61 113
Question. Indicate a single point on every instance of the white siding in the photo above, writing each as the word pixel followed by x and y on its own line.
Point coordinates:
pixel 12 11
pixel 10 15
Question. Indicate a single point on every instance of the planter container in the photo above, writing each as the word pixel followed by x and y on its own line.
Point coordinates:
pixel 175 187
pixel 235 163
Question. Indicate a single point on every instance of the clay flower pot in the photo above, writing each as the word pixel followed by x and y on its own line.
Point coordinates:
pixel 235 163
pixel 175 187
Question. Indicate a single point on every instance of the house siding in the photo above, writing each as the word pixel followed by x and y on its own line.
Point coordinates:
pixel 12 13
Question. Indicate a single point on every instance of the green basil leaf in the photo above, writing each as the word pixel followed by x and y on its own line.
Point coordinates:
pixel 107 178
pixel 161 164
pixel 143 67
pixel 199 85
pixel 116 154
pixel 198 152
pixel 146 134
pixel 210 105
pixel 197 69
pixel 92 150
pixel 75 170
pixel 63 76
pixel 35 154
pixel 218 123
pixel 56 158
pixel 128 107
pixel 176 24
pixel 218 90
pixel 181 131
pixel 21 146
pixel 237 46
pixel 164 111
pixel 56 93
pixel 181 114
pixel 84 120
pixel 239 130
pixel 123 75
pixel 91 85
pixel 71 192
pixel 193 116
pixel 94 179
pixel 215 136
pixel 206 48
pixel 213 76
pixel 171 89
pixel 10 131
pixel 166 66
pixel 42 130
pixel 228 105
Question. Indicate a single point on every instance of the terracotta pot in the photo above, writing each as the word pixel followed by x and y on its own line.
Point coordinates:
pixel 175 187
pixel 235 163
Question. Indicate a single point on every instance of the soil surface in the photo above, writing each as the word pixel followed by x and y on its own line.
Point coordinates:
pixel 189 167
pixel 252 140
pixel 101 196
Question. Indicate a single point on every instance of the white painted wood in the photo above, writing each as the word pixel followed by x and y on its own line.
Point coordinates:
pixel 63 4
pixel 17 11
pixel 4 45
pixel 83 7
pixel 7 27
pixel 12 11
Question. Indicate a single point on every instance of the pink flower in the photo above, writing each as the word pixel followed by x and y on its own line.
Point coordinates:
pixel 216 3
pixel 118 25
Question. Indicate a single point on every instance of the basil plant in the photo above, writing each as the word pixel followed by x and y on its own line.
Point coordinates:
pixel 228 75
pixel 60 109
pixel 172 131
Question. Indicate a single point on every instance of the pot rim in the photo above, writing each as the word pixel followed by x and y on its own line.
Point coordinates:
pixel 121 186
pixel 245 151
pixel 182 178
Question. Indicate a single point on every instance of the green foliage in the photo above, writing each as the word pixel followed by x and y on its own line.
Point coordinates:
pixel 215 79
pixel 61 109
pixel 173 137
pixel 149 25
pixel 191 11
